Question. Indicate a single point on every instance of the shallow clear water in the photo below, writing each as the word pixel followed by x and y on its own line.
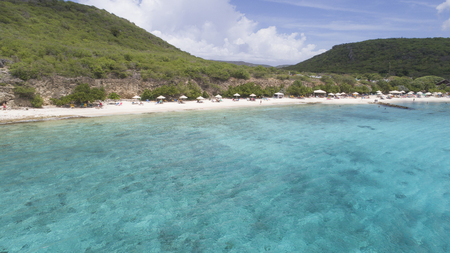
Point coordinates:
pixel 307 178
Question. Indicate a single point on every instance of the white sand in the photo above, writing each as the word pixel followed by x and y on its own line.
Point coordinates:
pixel 52 112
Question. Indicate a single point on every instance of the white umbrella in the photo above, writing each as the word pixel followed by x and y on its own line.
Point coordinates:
pixel 419 93
pixel 402 91
pixel 411 92
pixel 379 92
pixel 136 97
pixel 236 95
pixel 428 93
pixel 252 95
pixel 161 97
pixel 337 94
pixel 218 96
pixel 439 93
pixel 320 91
pixel 394 92
pixel 355 93
pixel 200 98
pixel 330 94
pixel 183 97
pixel 343 93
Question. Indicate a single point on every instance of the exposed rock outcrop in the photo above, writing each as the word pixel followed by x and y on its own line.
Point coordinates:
pixel 58 86
pixel 7 95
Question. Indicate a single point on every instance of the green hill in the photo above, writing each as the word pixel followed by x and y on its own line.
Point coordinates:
pixel 41 38
pixel 395 57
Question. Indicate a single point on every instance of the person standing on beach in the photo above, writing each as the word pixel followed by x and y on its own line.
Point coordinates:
pixel 4 106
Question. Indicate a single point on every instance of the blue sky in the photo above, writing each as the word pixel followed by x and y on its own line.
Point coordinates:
pixel 276 32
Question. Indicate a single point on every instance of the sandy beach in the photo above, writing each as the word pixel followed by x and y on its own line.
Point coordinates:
pixel 127 107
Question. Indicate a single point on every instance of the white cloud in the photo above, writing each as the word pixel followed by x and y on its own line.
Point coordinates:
pixel 211 29
pixel 351 26
pixel 316 5
pixel 446 25
pixel 443 6
pixel 420 3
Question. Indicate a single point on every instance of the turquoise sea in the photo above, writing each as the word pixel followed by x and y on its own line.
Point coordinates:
pixel 301 178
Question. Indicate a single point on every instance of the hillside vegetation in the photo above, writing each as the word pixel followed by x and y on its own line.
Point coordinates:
pixel 54 38
pixel 49 37
pixel 388 57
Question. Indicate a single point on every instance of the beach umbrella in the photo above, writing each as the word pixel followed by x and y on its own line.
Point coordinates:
pixel 439 93
pixel 183 97
pixel 236 95
pixel 394 92
pixel 337 94
pixel 252 95
pixel 279 95
pixel 402 91
pixel 428 93
pixel 200 98
pixel 355 93
pixel 411 92
pixel 161 97
pixel 419 93
pixel 320 91
pixel 379 92
pixel 330 94
pixel 343 93
pixel 218 96
pixel 137 97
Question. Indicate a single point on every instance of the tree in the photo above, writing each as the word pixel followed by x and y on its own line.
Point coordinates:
pixel 298 89
pixel 114 96
pixel 241 74
pixel 426 82
pixel 82 94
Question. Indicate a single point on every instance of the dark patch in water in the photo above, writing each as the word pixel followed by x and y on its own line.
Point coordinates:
pixel 349 173
pixel 368 127
pixel 409 172
pixel 400 196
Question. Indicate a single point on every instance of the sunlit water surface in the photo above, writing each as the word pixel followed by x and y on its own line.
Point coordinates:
pixel 305 178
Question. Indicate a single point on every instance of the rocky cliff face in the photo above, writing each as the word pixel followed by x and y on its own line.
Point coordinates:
pixel 57 86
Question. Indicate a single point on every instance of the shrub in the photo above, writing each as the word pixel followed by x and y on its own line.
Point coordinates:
pixel 241 74
pixel 283 77
pixel 24 91
pixel 37 101
pixel 82 93
pixel 114 96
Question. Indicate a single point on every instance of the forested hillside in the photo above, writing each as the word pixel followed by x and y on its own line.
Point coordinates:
pixel 394 57
pixel 49 37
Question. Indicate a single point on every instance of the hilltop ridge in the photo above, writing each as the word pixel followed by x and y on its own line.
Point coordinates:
pixel 395 57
